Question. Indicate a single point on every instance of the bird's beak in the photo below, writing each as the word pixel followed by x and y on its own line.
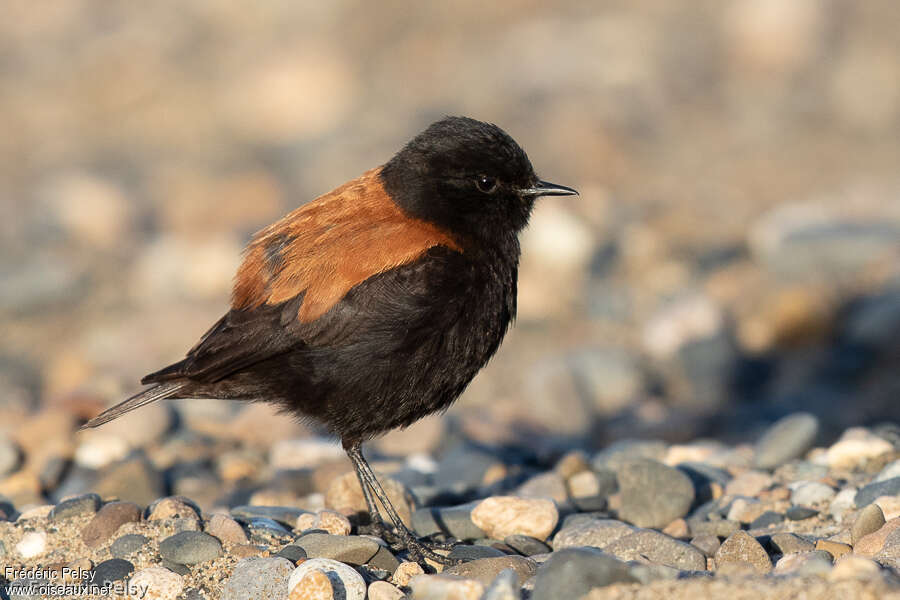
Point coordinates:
pixel 545 188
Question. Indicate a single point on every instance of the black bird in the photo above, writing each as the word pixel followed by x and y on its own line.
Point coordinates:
pixel 376 304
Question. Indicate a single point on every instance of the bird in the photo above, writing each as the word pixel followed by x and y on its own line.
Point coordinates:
pixel 377 303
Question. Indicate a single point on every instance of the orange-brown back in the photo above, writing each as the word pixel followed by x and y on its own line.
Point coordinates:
pixel 328 246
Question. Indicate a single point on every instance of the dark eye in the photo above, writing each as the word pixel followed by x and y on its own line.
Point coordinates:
pixel 486 184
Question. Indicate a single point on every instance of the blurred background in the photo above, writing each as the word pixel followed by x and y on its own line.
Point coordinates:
pixel 734 254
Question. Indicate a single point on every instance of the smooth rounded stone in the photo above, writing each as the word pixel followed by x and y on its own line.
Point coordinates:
pixel 572 463
pixel 383 560
pixel 351 549
pixel 345 496
pixel 856 447
pixel 160 583
pixel 268 531
pixel 134 479
pixel 811 493
pixel 470 552
pixel 292 552
pixel 114 569
pixel 527 545
pixel 464 464
pixel 789 543
pixel 182 570
pixel 653 572
pixel 486 570
pixel 100 449
pixel 869 520
pixel 327 520
pixel 127 544
pixel 720 527
pixel 256 578
pixel 767 519
pixel 455 521
pixel 226 529
pixel 549 485
pixel 740 547
pixel 382 590
pixel 500 516
pixel 343 578
pixel 836 549
pixel 404 573
pixel 658 548
pixel 800 513
pixel 505 586
pixel 315 585
pixel 108 520
pixel 705 479
pixel 871 544
pixel 613 456
pixel 285 515
pixel 10 457
pixel 890 471
pixel 749 484
pixel 33 543
pixel 598 533
pixel 589 503
pixel 190 547
pixel 445 587
pixel 653 494
pixel 817 562
pixel 86 504
pixel 172 507
pixel 707 544
pixel 583 485
pixel 871 492
pixel 573 572
pixel 851 566
pixel 787 439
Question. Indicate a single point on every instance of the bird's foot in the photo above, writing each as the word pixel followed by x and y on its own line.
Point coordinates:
pixel 418 549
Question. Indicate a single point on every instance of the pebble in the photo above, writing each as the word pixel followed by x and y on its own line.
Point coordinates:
pixel 527 545
pixel 455 521
pixel 500 516
pixel 33 543
pixel 345 496
pixel 351 549
pixel 573 572
pixel 787 439
pixel 190 548
pixel 114 569
pixel 101 449
pixel 135 480
pixel 504 587
pixel 285 515
pixel 740 547
pixel 804 564
pixel 315 585
pixel 871 492
pixel 617 453
pixel 869 520
pixel 172 507
pixel 811 493
pixel 707 544
pixel 86 504
pixel 160 583
pixel 9 456
pixel 653 494
pixel 405 572
pixel 327 520
pixel 108 520
pixel 748 483
pixel 485 570
pixel 343 578
pixel 836 549
pixel 445 587
pixel 767 519
pixel 472 552
pixel 257 578
pixel 800 513
pixel 127 544
pixel 856 447
pixel 584 485
pixel 226 529
pixel 292 553
pixel 871 544
pixel 658 548
pixel 788 543
pixel 382 590
pixel 549 485
pixel 851 566
pixel 890 471
pixel 843 501
pixel 268 531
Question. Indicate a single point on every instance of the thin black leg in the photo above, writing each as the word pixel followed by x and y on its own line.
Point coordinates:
pixel 367 479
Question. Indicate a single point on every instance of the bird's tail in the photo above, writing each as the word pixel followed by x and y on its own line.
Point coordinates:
pixel 157 392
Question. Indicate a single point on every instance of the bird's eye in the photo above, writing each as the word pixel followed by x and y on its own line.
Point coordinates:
pixel 486 184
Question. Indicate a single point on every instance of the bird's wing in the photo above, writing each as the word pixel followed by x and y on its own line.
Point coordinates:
pixel 296 270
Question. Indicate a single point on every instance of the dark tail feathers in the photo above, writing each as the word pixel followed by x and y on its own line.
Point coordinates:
pixel 157 392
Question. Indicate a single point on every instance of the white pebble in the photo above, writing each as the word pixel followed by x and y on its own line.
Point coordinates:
pixel 33 544
pixel 155 583
pixel 341 576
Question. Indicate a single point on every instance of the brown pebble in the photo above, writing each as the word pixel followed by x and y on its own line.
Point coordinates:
pixel 108 520
pixel 315 585
pixel 246 550
pixel 869 520
pixel 405 572
pixel 836 549
pixel 870 545
pixel 226 529
pixel 677 529
pixel 172 507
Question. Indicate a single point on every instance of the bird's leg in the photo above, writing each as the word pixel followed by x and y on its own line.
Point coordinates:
pixel 419 550
pixel 376 524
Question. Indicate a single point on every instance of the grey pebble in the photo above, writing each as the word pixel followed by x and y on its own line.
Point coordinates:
pixel 292 552
pixel 573 572
pixel 504 587
pixel 190 547
pixel 658 548
pixel 471 552
pixel 127 544
pixel 526 545
pixel 114 569
pixel 86 504
pixel 175 567
pixel 800 513
pixel 770 517
pixel 614 455
pixel 284 515
pixel 598 533
pixel 787 543
pixel 455 521
pixel 653 494
pixel 589 503
pixel 256 578
pixel 741 547
pixel 350 549
pixel 650 573
pixel 720 528
pixel 10 457
pixel 486 570
pixel 384 560
pixel 268 531
pixel 869 493
pixel 869 520
pixel 707 544
pixel 787 439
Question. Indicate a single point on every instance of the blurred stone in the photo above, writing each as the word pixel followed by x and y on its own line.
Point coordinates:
pixel 687 320
pixel 327 520
pixel 9 456
pixel 343 577
pixel 653 494
pixel 176 267
pixel 657 548
pixel 865 66
pixel 92 210
pixel 856 446
pixel 32 544
pixel 485 570
pixel 303 453
pixel 134 480
pixel 549 485
pixel 869 520
pixel 574 572
pixel 851 566
pixel 871 544
pixel 435 587
pixel 787 439
pixel 345 496
pixel 811 493
pixel 422 436
pixel 500 516
pixel 836 549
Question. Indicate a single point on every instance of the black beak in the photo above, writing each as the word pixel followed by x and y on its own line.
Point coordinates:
pixel 545 188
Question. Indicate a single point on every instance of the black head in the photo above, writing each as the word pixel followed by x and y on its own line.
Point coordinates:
pixel 467 176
